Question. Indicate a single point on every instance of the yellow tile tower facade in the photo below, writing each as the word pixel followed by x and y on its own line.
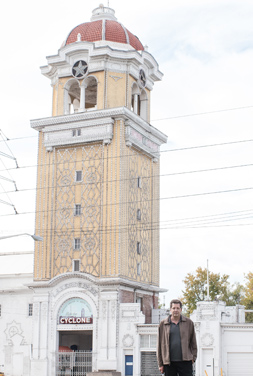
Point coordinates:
pixel 98 163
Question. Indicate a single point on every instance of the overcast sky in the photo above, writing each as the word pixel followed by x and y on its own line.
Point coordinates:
pixel 205 50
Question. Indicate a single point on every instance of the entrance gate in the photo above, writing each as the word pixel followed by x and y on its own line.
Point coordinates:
pixel 75 363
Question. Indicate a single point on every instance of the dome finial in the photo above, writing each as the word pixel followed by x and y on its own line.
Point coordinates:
pixel 103 12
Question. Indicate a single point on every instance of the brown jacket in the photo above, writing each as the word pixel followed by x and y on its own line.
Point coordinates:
pixel 188 340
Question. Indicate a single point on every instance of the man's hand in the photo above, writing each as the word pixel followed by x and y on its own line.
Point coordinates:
pixel 161 369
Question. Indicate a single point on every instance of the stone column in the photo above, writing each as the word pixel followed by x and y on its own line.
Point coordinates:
pixel 82 98
pixel 40 336
pixel 136 103
pixel 107 333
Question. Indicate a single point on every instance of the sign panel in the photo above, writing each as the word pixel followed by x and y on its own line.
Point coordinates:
pixel 75 311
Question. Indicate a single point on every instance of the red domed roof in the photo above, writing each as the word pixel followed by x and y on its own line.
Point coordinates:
pixel 103 26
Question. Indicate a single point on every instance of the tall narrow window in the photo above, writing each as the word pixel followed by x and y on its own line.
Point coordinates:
pixel 138 214
pixel 138 269
pixel 78 175
pixel 76 265
pixel 77 243
pixel 30 309
pixel 138 248
pixel 78 209
pixel 139 182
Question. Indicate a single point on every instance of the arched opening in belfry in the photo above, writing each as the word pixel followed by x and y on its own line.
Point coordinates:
pixel 91 87
pixel 144 105
pixel 135 100
pixel 72 97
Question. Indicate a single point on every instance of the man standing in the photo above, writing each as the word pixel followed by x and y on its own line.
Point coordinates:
pixel 176 345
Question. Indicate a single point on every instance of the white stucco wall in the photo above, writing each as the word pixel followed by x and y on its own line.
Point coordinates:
pixel 222 335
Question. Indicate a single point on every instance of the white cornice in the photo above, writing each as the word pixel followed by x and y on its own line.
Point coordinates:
pixel 115 112
pixel 113 282
pixel 235 327
pixel 98 126
pixel 115 54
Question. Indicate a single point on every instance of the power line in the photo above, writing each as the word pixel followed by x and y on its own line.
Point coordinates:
pixel 133 178
pixel 207 146
pixel 149 200
pixel 167 118
pixel 204 113
pixel 15 138
pixel 67 232
pixel 178 222
pixel 10 203
pixel 130 155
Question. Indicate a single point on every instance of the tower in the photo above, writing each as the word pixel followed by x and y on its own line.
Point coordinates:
pixel 97 201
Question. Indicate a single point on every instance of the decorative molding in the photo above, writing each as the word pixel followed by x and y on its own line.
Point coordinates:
pixel 13 329
pixel 113 309
pixel 207 339
pixel 82 285
pixel 104 309
pixel 113 283
pixel 76 327
pixel 129 315
pixel 235 327
pixel 44 310
pixel 116 78
pixel 90 133
pixel 206 312
pixel 36 310
pixel 128 340
pixel 108 296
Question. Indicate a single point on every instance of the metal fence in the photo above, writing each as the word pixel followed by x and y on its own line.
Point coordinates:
pixel 149 366
pixel 76 363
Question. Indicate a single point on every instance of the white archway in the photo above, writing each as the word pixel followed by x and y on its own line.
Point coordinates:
pixel 89 89
pixel 135 99
pixel 72 96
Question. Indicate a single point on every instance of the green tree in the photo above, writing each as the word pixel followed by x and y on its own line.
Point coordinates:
pixel 247 300
pixel 235 294
pixel 219 287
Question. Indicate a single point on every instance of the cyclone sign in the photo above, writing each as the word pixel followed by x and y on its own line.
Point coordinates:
pixel 75 311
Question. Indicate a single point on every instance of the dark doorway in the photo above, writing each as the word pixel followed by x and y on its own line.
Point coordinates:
pixel 74 356
pixel 76 340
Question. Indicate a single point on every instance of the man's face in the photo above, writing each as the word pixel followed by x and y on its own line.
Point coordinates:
pixel 175 310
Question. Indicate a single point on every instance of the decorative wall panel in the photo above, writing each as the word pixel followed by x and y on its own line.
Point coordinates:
pixel 145 224
pixel 139 230
pixel 132 214
pixel 87 192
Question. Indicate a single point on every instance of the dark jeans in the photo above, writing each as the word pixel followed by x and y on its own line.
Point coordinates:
pixel 183 368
